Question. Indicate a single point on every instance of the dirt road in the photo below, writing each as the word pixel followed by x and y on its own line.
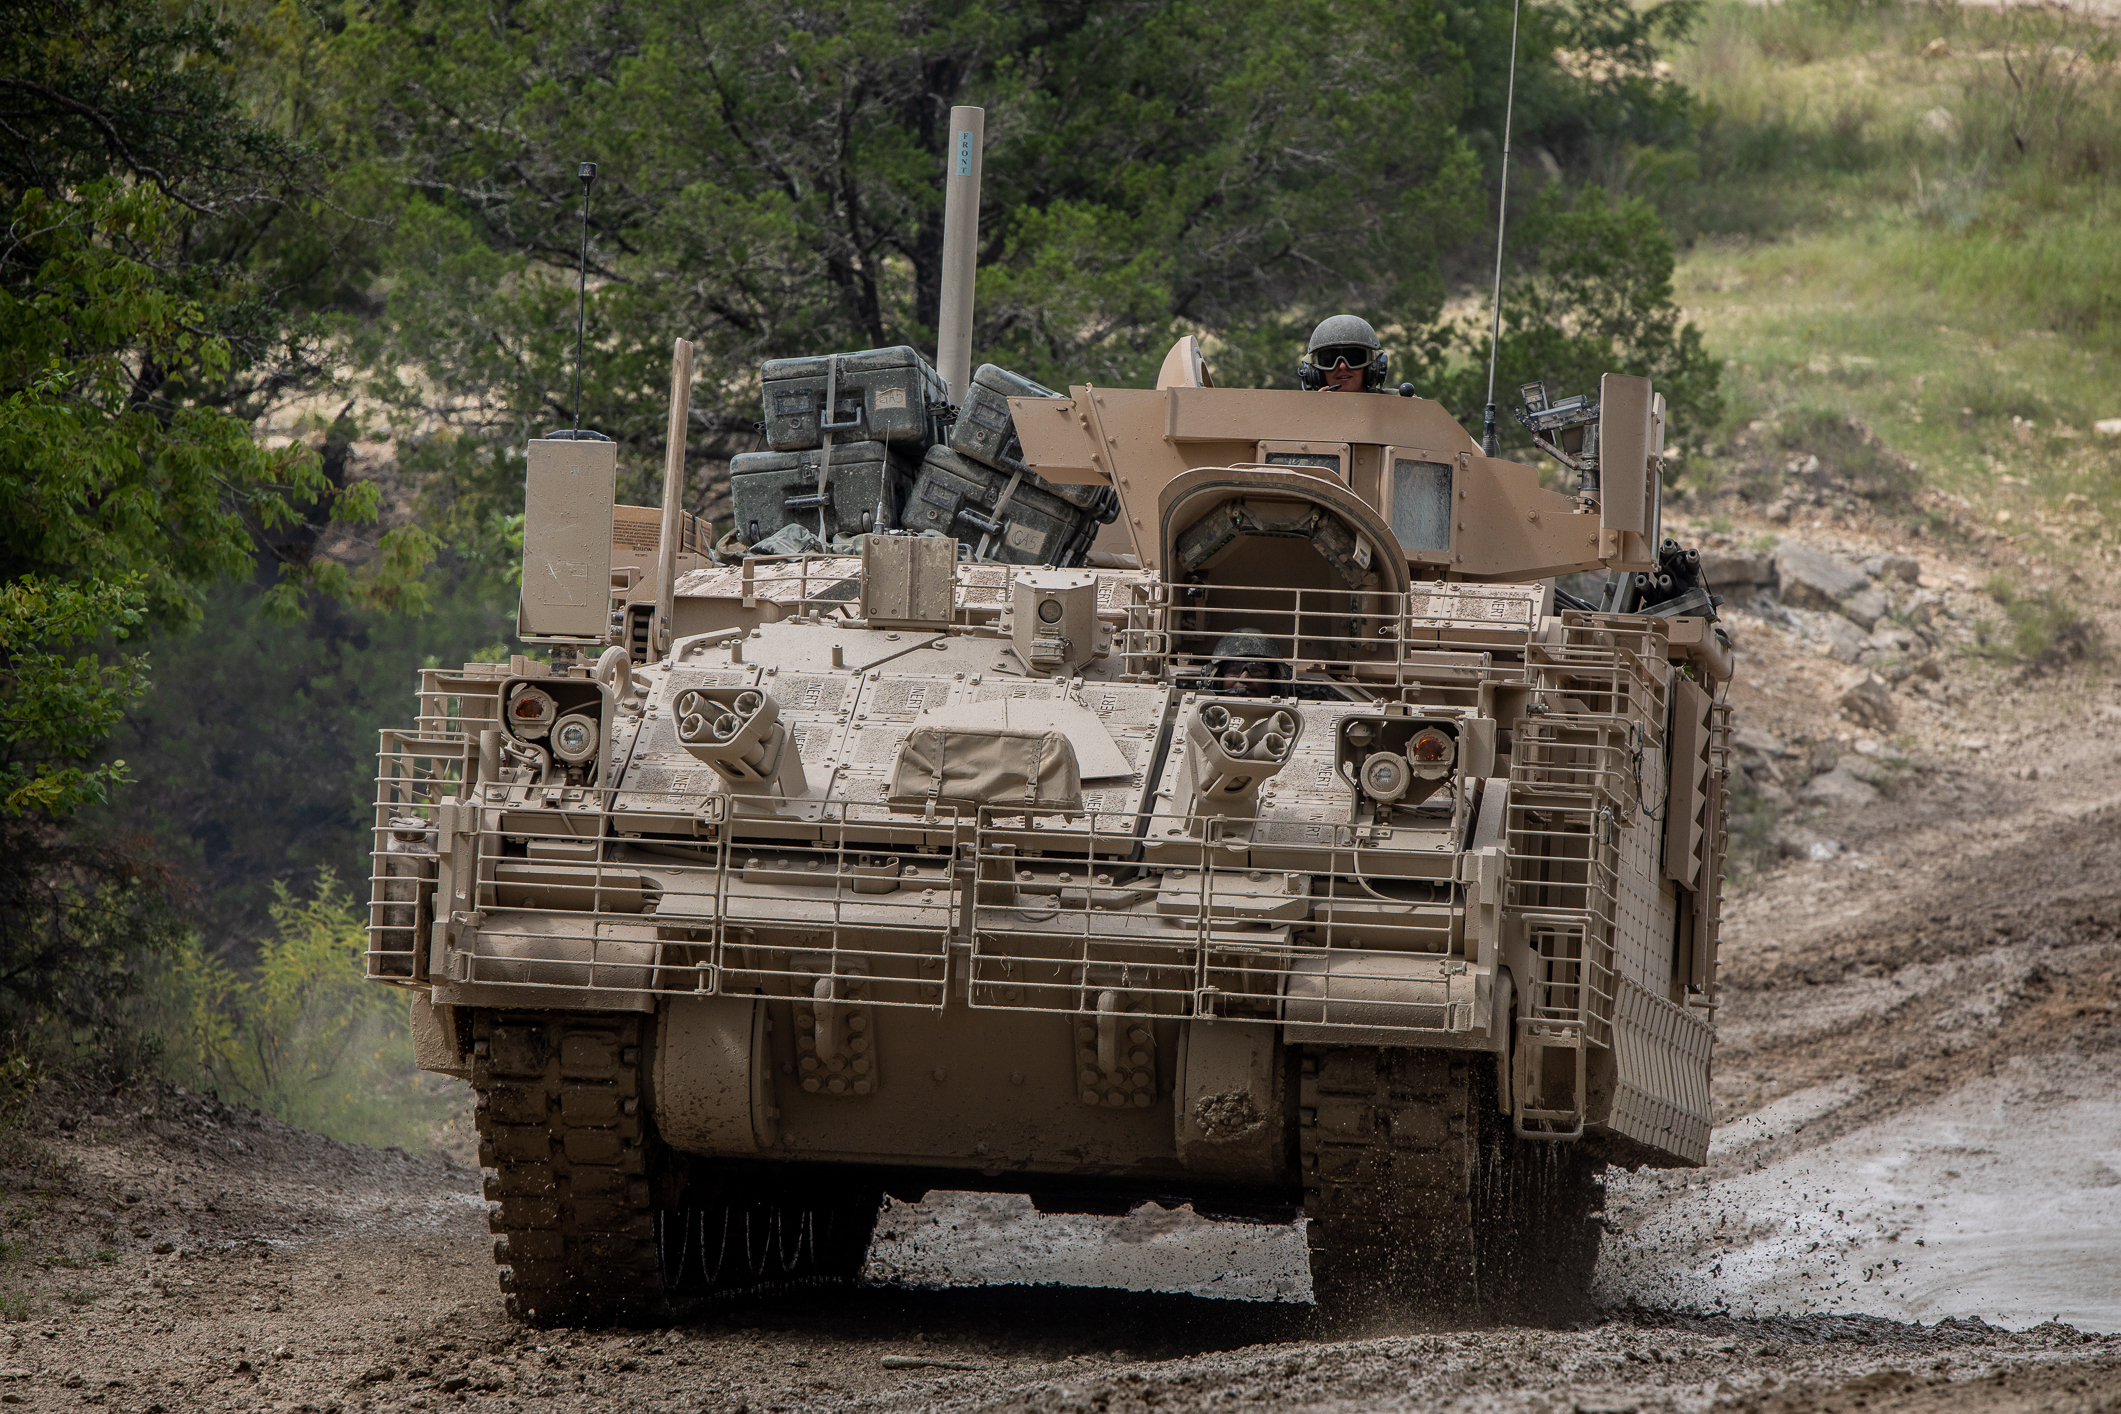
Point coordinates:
pixel 301 1275
pixel 1913 1202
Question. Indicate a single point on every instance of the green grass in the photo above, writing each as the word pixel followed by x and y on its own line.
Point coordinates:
pixel 2040 630
pixel 1919 300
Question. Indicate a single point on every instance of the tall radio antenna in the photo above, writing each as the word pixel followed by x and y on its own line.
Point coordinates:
pixel 588 173
pixel 1489 441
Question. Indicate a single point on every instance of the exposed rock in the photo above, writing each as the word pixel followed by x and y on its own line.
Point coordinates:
pixel 1841 639
pixel 1891 638
pixel 1870 703
pixel 1814 579
pixel 1901 567
pixel 1866 606
pixel 1796 842
pixel 1839 786
pixel 1754 741
pixel 1721 568
pixel 1875 773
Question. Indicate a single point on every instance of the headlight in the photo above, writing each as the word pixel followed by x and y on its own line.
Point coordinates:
pixel 1386 776
pixel 530 711
pixel 574 739
pixel 1431 753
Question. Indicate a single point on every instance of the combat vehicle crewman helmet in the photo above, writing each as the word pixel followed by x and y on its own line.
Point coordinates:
pixel 1247 663
pixel 1343 355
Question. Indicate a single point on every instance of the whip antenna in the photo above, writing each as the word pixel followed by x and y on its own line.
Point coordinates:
pixel 1489 442
pixel 588 173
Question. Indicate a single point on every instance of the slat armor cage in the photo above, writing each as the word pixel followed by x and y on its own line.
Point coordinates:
pixel 1273 916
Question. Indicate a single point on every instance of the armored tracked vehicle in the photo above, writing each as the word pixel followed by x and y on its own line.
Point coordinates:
pixel 1304 852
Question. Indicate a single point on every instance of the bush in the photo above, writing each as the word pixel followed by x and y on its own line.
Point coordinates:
pixel 306 1036
pixel 2041 632
pixel 1593 295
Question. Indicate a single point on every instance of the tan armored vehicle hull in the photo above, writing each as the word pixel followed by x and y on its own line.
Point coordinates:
pixel 839 875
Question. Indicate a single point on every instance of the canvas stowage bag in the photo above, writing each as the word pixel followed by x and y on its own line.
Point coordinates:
pixel 1024 770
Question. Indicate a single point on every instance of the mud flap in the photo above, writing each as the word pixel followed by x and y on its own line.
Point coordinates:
pixel 704 1081
pixel 1227 1112
pixel 1552 1079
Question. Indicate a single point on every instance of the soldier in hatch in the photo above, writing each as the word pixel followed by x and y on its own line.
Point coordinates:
pixel 1343 357
pixel 1247 664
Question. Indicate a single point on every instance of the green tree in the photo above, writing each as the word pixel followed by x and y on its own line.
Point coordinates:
pixel 254 758
pixel 771 184
pixel 142 318
pixel 1589 293
pixel 73 912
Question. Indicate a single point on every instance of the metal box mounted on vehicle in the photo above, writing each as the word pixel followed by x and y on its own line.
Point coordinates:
pixel 771 489
pixel 567 518
pixel 878 395
pixel 1011 517
pixel 984 430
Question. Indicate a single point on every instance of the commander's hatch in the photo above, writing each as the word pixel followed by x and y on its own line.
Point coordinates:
pixel 1288 552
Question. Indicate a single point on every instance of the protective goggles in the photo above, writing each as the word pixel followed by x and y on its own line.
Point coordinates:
pixel 1353 355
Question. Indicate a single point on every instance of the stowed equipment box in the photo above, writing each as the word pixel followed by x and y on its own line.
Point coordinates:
pixel 1011 517
pixel 878 395
pixel 984 431
pixel 864 492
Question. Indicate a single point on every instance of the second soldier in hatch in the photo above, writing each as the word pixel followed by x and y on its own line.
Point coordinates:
pixel 1247 663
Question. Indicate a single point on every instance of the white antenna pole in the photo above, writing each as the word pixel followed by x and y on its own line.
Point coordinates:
pixel 587 172
pixel 953 322
pixel 1490 442
pixel 666 558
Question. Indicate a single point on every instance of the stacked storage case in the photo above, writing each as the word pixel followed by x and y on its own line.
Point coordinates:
pixel 864 490
pixel 1011 518
pixel 984 430
pixel 878 395
pixel 883 418
pixel 978 489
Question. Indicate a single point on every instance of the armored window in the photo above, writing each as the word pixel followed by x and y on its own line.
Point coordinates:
pixel 1325 461
pixel 1421 504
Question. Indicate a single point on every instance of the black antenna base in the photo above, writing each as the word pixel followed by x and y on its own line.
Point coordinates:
pixel 1490 442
